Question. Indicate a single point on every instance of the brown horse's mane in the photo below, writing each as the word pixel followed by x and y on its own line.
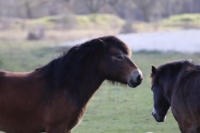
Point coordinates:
pixel 71 66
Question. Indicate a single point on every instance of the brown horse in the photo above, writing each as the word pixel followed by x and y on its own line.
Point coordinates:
pixel 177 84
pixel 53 98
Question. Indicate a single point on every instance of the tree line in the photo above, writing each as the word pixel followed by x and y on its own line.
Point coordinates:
pixel 140 10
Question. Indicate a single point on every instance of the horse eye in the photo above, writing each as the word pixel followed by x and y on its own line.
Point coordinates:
pixel 119 57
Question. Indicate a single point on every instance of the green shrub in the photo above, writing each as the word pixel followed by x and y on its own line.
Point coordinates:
pixel 184 20
pixel 100 20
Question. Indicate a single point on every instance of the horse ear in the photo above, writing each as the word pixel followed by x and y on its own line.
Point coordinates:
pixel 153 69
pixel 102 41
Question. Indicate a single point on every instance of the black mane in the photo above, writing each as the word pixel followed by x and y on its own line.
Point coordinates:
pixel 172 67
pixel 187 66
pixel 70 65
pixel 178 70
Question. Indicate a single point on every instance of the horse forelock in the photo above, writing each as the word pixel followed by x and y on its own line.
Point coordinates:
pixel 112 41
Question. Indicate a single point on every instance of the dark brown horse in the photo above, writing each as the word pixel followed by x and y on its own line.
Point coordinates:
pixel 53 98
pixel 177 84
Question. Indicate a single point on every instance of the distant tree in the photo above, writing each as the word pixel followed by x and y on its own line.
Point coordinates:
pixel 166 7
pixel 28 9
pixel 190 6
pixel 112 2
pixel 146 10
pixel 196 4
pixel 169 7
pixel 145 7
pixel 94 5
pixel 114 5
pixel 31 7
pixel 122 9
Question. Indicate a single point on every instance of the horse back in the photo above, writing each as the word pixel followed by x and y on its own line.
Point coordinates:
pixel 2 73
pixel 188 90
pixel 186 105
pixel 185 100
pixel 11 78
pixel 20 85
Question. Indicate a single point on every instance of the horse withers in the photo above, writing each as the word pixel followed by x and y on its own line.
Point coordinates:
pixel 177 85
pixel 53 98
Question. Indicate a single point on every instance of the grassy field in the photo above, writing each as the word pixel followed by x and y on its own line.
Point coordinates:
pixel 114 108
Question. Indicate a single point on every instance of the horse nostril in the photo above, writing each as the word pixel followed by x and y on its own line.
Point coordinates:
pixel 135 78
pixel 139 78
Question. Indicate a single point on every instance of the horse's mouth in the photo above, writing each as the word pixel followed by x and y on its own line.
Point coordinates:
pixel 158 118
pixel 133 84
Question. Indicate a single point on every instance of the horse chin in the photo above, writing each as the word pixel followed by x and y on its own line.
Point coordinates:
pixel 133 84
pixel 159 118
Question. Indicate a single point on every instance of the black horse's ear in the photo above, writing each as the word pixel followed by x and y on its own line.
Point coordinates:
pixel 153 69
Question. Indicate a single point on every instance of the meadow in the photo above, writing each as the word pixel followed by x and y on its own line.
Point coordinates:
pixel 114 108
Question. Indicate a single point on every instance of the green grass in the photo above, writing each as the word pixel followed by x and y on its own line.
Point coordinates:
pixel 114 108
pixel 25 56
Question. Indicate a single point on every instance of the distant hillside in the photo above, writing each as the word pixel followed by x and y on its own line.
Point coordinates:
pixel 72 27
pixel 103 21
pixel 62 27
pixel 175 22
pixel 182 21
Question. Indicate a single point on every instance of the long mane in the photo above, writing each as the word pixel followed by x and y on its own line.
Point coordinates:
pixel 68 67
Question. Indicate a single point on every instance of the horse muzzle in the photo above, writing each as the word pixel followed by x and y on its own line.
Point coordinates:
pixel 157 117
pixel 135 78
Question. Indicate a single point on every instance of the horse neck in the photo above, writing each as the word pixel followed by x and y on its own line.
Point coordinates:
pixel 88 87
pixel 88 82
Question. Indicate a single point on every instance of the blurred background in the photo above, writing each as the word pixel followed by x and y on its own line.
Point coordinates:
pixel 33 32
pixel 69 20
